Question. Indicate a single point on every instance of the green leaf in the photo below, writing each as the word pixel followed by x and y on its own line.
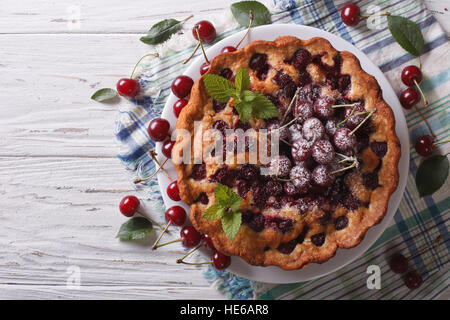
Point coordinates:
pixel 135 229
pixel 231 223
pixel 227 198
pixel 162 31
pixel 218 87
pixel 240 11
pixel 407 34
pixel 245 111
pixel 262 108
pixel 104 94
pixel 242 80
pixel 432 174
pixel 214 212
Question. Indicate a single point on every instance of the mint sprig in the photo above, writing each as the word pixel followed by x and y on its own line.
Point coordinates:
pixel 248 103
pixel 227 209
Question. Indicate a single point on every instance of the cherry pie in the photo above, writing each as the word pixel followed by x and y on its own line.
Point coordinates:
pixel 338 159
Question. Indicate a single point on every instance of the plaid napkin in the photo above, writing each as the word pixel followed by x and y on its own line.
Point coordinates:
pixel 417 222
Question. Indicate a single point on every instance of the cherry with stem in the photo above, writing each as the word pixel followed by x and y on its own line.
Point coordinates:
pixel 129 206
pixel 174 215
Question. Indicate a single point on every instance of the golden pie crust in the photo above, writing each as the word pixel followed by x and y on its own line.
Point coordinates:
pixel 262 248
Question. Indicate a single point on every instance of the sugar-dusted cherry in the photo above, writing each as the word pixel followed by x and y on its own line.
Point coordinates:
pixel 206 30
pixel 344 140
pixel 220 261
pixel 158 129
pixel 178 106
pixel 424 145
pixel 129 205
pixel 398 263
pixel 182 85
pixel 128 87
pixel 173 192
pixel 409 98
pixel 350 14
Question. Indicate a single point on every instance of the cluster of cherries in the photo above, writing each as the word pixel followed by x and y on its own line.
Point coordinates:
pixel 399 264
pixel 189 236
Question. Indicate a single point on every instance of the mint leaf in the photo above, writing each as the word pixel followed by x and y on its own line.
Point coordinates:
pixel 407 34
pixel 262 108
pixel 245 111
pixel 231 223
pixel 242 80
pixel 432 174
pixel 104 94
pixel 218 87
pixel 135 229
pixel 214 212
pixel 227 198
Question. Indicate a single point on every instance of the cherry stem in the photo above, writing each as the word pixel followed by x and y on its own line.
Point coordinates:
pixel 153 156
pixel 434 243
pixel 289 144
pixel 189 253
pixel 250 13
pixel 201 45
pixel 375 15
pixel 425 101
pixel 426 121
pixel 362 122
pixel 154 54
pixel 294 99
pixel 160 236
pixel 151 220
pixel 441 142
pixel 354 164
pixel 343 105
pixel 348 117
pixel 192 54
pixel 166 243
pixel 153 174
pixel 195 263
pixel 183 21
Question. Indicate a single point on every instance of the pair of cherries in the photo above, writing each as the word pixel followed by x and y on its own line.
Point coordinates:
pixel 189 236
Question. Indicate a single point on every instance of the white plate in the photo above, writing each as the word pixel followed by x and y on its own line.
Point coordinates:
pixel 343 256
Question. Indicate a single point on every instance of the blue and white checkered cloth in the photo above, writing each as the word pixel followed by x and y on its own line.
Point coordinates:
pixel 418 220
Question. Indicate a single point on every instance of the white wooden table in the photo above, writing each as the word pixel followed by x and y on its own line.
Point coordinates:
pixel 60 182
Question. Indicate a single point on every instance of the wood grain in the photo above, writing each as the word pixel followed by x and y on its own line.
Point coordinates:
pixel 60 182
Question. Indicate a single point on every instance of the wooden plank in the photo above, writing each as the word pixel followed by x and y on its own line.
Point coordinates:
pixel 100 16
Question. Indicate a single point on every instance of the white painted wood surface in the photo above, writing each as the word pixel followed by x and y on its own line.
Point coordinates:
pixel 60 183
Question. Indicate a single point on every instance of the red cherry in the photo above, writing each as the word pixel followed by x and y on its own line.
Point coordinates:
pixel 204 68
pixel 413 280
pixel 228 49
pixel 181 86
pixel 350 14
pixel 176 214
pixel 398 263
pixel 190 237
pixel 128 87
pixel 424 145
pixel 206 30
pixel 208 241
pixel 158 129
pixel 173 192
pixel 129 205
pixel 409 98
pixel 178 106
pixel 220 261
pixel 411 73
pixel 167 148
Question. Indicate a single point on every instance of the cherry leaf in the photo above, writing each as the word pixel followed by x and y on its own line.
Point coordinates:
pixel 162 31
pixel 407 34
pixel 432 174
pixel 104 94
pixel 136 228
pixel 240 11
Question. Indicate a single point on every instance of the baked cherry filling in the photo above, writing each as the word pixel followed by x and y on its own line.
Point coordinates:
pixel 258 222
pixel 379 148
pixel 198 172
pixel 258 62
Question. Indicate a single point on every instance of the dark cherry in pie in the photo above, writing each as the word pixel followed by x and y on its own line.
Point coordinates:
pixel 305 208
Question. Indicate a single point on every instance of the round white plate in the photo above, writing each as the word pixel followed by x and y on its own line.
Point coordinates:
pixel 343 256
